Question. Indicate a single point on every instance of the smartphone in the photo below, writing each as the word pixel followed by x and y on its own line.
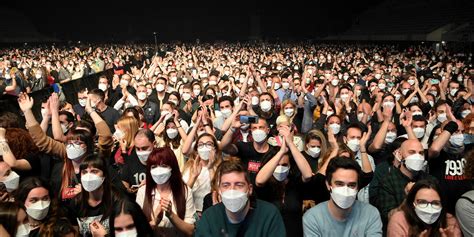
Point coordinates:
pixel 434 81
pixel 248 119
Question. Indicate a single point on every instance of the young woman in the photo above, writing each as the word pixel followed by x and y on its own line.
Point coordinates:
pixel 127 220
pixel 165 199
pixel 12 220
pixel 285 121
pixel 316 146
pixel 173 137
pixel 422 214
pixel 35 196
pixel 124 134
pixel 198 172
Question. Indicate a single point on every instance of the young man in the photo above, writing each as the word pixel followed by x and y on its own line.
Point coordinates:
pixel 109 114
pixel 342 215
pixel 239 214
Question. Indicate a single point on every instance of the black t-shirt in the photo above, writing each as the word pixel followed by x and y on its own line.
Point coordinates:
pixel 251 158
pixel 133 171
pixel 110 116
pixel 449 170
pixel 83 219
pixel 313 161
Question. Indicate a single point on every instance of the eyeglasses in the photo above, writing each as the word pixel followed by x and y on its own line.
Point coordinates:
pixel 75 142
pixel 435 204
pixel 207 145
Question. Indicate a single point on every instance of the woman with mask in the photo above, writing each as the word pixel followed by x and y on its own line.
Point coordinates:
pixel 173 137
pixel 65 174
pixel 316 146
pixel 165 199
pixel 127 220
pixel 199 172
pixel 288 108
pixel 9 181
pixel 13 220
pixel 284 121
pixel 34 194
pixel 423 214
pixel 125 131
pixel 280 181
pixel 91 208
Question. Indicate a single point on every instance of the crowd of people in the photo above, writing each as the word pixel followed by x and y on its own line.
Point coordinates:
pixel 240 140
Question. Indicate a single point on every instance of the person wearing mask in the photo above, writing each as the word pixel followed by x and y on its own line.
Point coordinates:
pixel 170 133
pixel 284 121
pixel 446 159
pixel 112 94
pixel 109 114
pixel 386 134
pixel 316 145
pixel 395 184
pixel 79 108
pixel 13 220
pixel 127 220
pixel 423 214
pixel 226 107
pixel 342 215
pixel 280 181
pixel 149 108
pixel 165 199
pixel 9 181
pixel 266 109
pixel 239 213
pixel 34 194
pixel 159 96
pixel 125 131
pixel 250 153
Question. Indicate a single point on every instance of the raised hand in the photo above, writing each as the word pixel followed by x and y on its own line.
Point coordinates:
pixel 25 102
pixel 406 119
pixel 97 229
pixel 366 137
pixel 54 102
pixel 197 167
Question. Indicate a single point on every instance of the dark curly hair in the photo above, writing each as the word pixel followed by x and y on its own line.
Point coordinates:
pixel 20 142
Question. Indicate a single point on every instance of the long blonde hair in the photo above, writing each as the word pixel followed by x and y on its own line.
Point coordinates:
pixel 214 163
pixel 130 127
pixel 282 110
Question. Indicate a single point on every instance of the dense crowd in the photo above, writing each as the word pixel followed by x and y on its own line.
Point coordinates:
pixel 240 140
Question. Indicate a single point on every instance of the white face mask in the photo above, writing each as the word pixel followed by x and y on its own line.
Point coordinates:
pixel 411 82
pixel 204 152
pixel 457 140
pixel 38 210
pixel 417 113
pixel 415 162
pixel 335 82
pixel 255 100
pixel 344 196
pixel 127 233
pixel 196 92
pixel 266 105
pixel 419 132
pixel 360 116
pixel 91 182
pixel 226 112
pixel 453 92
pixel 390 137
pixel 82 102
pixel 212 83
pixel 329 113
pixel 141 95
pixel 234 200
pixel 124 82
pixel 285 85
pixel 64 128
pixel 102 87
pixel 186 96
pixel 398 96
pixel 465 113
pixel 143 155
pixel 11 181
pixel 428 214
pixel 377 76
pixel 276 86
pixel 172 132
pixel 281 172
pixel 344 97
pixel 442 117
pixel 118 134
pixel 23 230
pixel 382 86
pixel 354 144
pixel 74 151
pixel 335 128
pixel 259 135
pixel 167 114
pixel 389 104
pixel 314 151
pixel 160 87
pixel 160 175
pixel 289 112
pixel 405 91
pixel 345 77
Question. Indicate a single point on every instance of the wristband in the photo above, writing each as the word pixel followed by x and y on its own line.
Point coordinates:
pixel 451 127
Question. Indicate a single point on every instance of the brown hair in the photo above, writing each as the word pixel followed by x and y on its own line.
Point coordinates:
pixel 20 142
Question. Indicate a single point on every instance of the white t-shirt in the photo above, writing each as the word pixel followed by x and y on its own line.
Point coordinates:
pixel 201 187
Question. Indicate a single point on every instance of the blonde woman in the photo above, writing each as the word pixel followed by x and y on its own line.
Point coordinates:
pixel 284 121
pixel 125 130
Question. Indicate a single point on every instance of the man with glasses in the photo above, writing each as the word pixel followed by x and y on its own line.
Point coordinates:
pixel 239 213
pixel 342 215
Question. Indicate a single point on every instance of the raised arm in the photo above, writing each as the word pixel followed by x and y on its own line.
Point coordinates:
pixel 303 165
pixel 266 172
pixel 366 167
pixel 379 138
pixel 56 125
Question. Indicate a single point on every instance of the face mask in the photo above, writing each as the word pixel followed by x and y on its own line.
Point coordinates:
pixel 285 85
pixel 354 144
pixel 414 100
pixel 127 233
pixel 378 76
pixel 390 137
pixel 329 113
pixel 186 96
pixel 226 112
pixel 82 102
pixel 172 132
pixel 389 104
pixel 74 151
pixel 276 86
pixel 212 83
pixel 204 152
pixel 91 182
pixel 465 113
pixel 345 77
pixel 11 181
pixel 457 139
pixel 143 155
pixel 160 87
pixel 431 103
pixel 266 106
pixel 259 135
pixel 314 151
pixel 415 162
pixel 141 95
pixel 442 117
pixel 360 116
pixel 417 113
pixel 281 172
pixel 64 128
pixel 196 92
pixel 38 210
pixel 234 200
pixel 118 134
pixel 398 96
pixel 427 214
pixel 344 97
pixel 419 132
pixel 468 138
pixel 124 82
pixel 334 82
pixel 289 112
pixel 453 92
pixel 434 93
pixel 103 87
pixel 160 174
pixel 405 91
pixel 255 100
pixel 344 197
pixel 335 128
pixel 23 230
pixel 94 104
pixel 411 82
pixel 382 86
pixel 38 76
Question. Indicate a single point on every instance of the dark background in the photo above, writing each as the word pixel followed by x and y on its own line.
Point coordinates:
pixel 180 20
